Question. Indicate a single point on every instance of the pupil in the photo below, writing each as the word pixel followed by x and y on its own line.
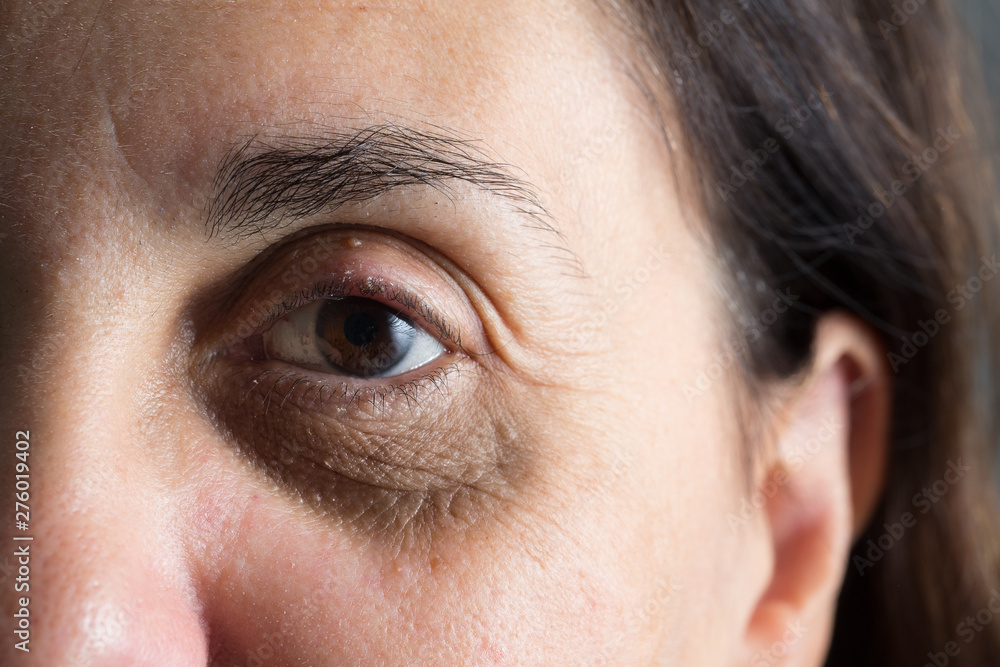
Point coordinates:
pixel 362 337
pixel 360 329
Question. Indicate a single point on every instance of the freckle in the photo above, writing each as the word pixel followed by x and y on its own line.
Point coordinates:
pixel 352 242
pixel 436 563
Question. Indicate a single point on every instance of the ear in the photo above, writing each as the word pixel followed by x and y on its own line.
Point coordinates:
pixel 822 478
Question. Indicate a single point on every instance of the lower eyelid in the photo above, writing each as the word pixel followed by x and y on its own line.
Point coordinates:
pixel 365 398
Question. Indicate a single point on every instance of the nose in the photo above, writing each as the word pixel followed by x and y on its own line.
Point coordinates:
pixel 97 570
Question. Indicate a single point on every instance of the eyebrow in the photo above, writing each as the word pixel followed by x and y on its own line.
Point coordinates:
pixel 269 182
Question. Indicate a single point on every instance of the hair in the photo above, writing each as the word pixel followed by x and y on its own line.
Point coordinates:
pixel 811 126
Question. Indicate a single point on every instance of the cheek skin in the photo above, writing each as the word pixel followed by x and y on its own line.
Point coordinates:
pixel 680 475
pixel 605 540
pixel 612 553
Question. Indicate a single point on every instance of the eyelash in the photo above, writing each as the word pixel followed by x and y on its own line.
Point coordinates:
pixel 367 287
pixel 376 394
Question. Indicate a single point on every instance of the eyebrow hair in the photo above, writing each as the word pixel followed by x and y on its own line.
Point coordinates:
pixel 266 183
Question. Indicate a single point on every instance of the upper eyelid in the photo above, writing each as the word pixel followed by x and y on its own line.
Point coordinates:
pixel 340 261
pixel 366 287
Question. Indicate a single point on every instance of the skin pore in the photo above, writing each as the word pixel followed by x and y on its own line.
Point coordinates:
pixel 542 493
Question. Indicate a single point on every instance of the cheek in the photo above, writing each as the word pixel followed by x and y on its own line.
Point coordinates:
pixel 615 550
pixel 663 409
pixel 502 591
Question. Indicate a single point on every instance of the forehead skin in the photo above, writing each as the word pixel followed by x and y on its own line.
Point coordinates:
pixel 118 114
pixel 165 86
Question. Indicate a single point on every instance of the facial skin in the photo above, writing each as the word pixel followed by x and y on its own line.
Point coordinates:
pixel 543 492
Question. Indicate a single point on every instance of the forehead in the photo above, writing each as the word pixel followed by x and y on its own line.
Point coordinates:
pixel 159 91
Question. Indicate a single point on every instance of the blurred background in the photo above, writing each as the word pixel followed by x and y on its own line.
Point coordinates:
pixel 983 18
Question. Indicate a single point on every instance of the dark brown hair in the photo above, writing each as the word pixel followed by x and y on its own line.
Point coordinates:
pixel 837 155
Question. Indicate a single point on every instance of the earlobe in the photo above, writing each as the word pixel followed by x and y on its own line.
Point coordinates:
pixel 822 480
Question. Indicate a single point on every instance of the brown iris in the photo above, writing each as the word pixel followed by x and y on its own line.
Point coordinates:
pixel 362 337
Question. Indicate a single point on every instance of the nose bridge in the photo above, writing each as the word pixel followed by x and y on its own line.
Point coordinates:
pixel 109 584
pixel 81 400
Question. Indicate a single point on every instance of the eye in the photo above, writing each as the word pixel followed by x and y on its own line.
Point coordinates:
pixel 350 336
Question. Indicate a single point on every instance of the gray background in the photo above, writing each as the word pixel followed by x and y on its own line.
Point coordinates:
pixel 983 18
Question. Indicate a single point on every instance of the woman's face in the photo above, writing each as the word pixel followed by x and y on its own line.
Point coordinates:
pixel 420 378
